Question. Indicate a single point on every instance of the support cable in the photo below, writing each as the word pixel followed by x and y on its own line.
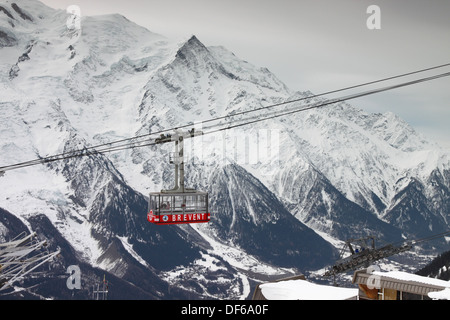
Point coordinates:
pixel 130 144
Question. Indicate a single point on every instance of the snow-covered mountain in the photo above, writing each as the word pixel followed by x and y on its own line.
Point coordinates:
pixel 329 174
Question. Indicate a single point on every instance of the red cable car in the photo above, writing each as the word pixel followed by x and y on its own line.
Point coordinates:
pixel 178 205
pixel 178 208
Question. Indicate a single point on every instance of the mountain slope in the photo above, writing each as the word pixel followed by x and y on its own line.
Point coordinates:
pixel 250 216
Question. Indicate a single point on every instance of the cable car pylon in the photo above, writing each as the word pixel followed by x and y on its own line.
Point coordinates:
pixel 179 205
pixel 363 253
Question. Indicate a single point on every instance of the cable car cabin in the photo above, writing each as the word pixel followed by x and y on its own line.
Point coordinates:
pixel 179 205
pixel 178 208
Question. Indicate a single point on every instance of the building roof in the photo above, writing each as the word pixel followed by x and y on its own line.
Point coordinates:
pixel 297 288
pixel 305 290
pixel 401 281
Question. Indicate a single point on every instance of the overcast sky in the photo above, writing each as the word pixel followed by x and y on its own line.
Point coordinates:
pixel 318 45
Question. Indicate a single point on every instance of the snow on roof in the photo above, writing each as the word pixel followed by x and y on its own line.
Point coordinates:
pixel 305 290
pixel 404 276
pixel 440 295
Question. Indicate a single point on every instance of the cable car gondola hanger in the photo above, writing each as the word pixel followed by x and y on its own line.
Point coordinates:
pixel 179 205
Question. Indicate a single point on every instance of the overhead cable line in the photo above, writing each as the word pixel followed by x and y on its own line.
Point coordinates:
pixel 429 238
pixel 85 150
pixel 336 100
pixel 129 144
pixel 275 105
